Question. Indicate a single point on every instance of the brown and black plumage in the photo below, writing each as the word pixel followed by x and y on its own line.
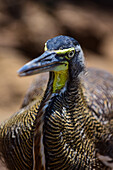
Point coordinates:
pixel 72 126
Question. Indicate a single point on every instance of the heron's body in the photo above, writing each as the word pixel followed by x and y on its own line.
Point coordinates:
pixel 72 127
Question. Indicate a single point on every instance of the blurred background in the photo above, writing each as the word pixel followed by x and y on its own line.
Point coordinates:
pixel 25 26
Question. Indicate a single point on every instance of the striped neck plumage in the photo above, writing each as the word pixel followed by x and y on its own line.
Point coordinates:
pixel 74 95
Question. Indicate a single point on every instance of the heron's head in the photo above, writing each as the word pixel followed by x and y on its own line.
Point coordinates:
pixel 62 53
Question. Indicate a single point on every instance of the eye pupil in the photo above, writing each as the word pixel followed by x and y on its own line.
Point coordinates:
pixel 71 53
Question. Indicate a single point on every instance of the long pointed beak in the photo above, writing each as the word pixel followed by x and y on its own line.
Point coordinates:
pixel 44 63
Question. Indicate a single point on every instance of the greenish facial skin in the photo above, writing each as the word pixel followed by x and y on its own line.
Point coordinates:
pixel 61 73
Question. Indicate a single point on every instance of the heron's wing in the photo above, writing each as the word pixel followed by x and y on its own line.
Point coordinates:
pixel 17 133
pixel 16 139
pixel 98 91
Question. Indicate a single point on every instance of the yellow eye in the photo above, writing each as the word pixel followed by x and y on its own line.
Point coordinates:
pixel 71 54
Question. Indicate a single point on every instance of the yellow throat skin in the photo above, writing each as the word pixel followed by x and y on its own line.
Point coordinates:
pixel 60 78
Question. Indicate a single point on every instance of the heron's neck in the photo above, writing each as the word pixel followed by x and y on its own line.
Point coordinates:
pixel 58 81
